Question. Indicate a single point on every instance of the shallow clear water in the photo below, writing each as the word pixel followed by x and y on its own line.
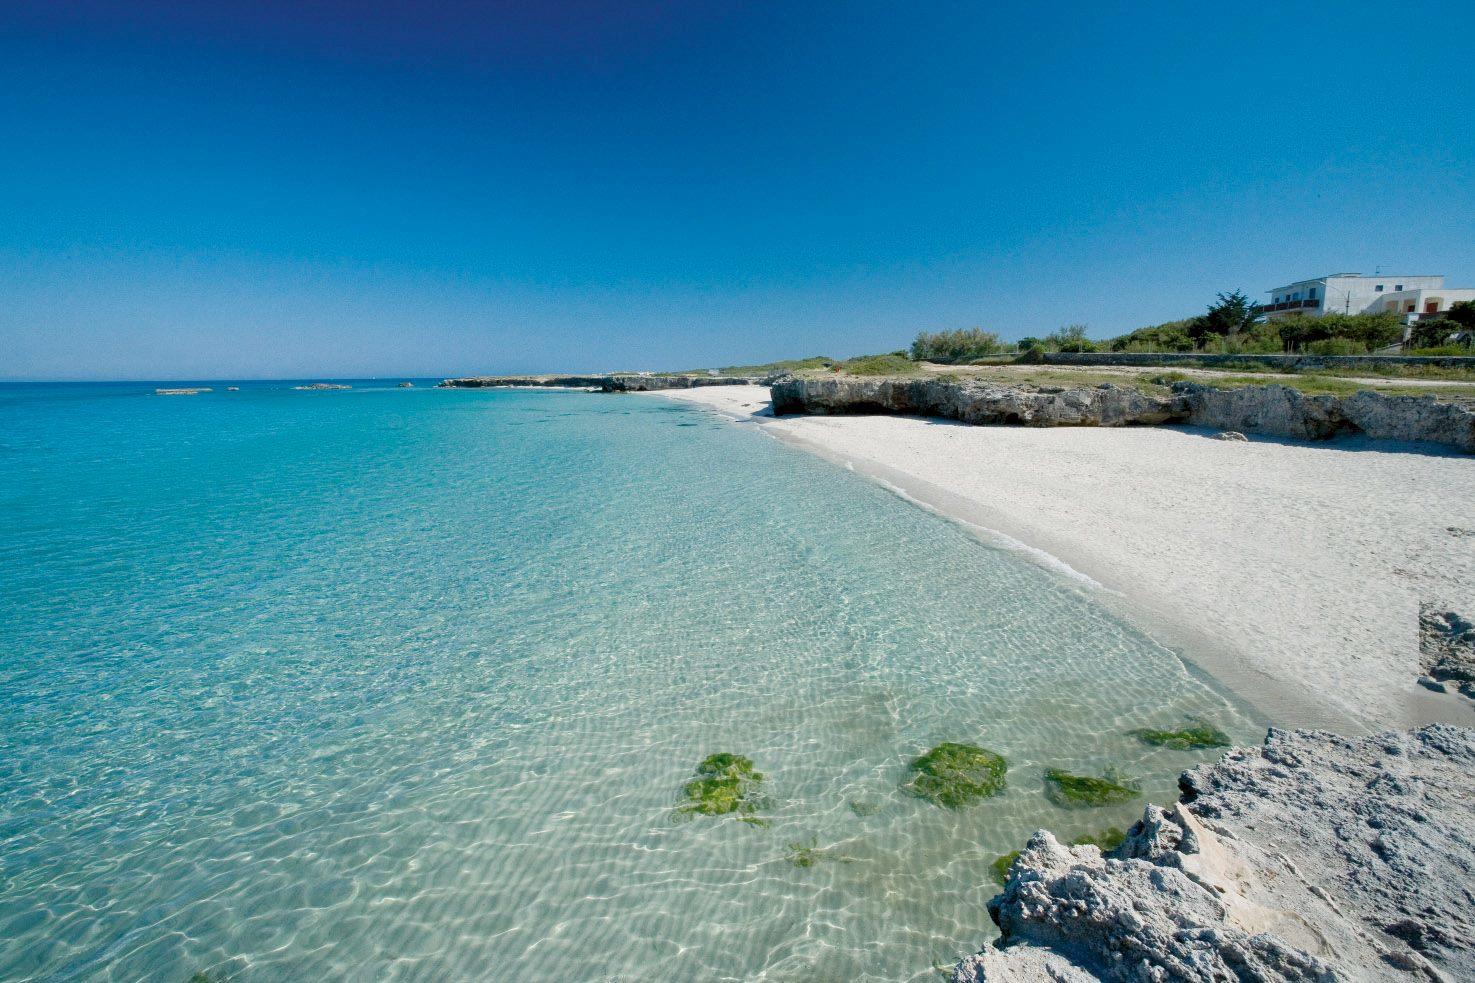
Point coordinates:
pixel 405 684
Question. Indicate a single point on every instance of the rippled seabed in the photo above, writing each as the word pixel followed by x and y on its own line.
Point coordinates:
pixel 405 684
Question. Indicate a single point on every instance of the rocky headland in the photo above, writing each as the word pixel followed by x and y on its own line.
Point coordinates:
pixel 611 383
pixel 1312 857
pixel 1272 410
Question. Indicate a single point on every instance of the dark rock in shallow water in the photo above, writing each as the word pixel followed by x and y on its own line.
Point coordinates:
pixel 1086 792
pixel 1313 857
pixel 954 775
pixel 726 784
pixel 1192 736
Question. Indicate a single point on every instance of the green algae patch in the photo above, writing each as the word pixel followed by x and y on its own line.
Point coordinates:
pixel 1192 737
pixel 1002 864
pixel 1086 792
pixel 805 854
pixel 864 807
pixel 726 785
pixel 955 775
pixel 1107 839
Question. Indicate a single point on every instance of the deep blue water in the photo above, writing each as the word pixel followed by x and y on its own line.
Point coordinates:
pixel 405 684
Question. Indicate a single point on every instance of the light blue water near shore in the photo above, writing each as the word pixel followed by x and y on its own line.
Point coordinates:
pixel 404 684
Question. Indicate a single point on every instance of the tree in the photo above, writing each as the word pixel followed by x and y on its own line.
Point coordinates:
pixel 1230 315
pixel 1462 312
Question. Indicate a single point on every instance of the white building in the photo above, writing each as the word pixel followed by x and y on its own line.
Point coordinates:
pixel 1411 297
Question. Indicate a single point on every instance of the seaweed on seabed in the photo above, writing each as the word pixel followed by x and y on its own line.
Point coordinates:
pixel 954 775
pixel 1002 864
pixel 1107 839
pixel 726 784
pixel 1192 736
pixel 1084 791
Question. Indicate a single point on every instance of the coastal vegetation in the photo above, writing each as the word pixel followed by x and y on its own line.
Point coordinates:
pixel 1192 736
pixel 955 347
pixel 954 775
pixel 726 784
pixel 1070 791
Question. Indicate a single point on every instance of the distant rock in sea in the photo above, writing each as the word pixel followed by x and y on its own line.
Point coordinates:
pixel 316 386
pixel 407 385
pixel 232 389
pixel 192 391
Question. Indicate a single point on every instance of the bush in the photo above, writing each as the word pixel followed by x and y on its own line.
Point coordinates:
pixel 1336 346
pixel 1443 350
pixel 1372 330
pixel 1462 312
pixel 1434 333
pixel 1071 338
pixel 955 346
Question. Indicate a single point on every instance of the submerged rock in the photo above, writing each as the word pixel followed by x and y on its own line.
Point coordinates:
pixel 954 775
pixel 1230 435
pixel 726 784
pixel 1311 858
pixel 1086 792
pixel 1193 736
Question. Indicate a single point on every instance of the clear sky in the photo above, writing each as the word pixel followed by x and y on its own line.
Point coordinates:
pixel 288 188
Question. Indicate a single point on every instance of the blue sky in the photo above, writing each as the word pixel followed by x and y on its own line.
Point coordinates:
pixel 282 189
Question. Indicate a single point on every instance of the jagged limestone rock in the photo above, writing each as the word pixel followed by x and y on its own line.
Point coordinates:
pixel 1314 857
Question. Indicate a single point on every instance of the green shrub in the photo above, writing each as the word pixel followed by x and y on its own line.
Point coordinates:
pixel 1442 350
pixel 955 346
pixel 1336 346
pixel 1071 338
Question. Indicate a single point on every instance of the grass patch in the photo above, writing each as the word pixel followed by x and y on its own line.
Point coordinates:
pixel 954 775
pixel 1193 736
pixel 1086 792
pixel 726 784
pixel 880 365
pixel 817 362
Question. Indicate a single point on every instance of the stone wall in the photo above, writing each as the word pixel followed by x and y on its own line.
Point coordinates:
pixel 1286 362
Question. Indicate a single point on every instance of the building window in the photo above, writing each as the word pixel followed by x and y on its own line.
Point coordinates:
pixel 1276 300
pixel 1398 286
pixel 1296 295
pixel 1379 288
pixel 1311 294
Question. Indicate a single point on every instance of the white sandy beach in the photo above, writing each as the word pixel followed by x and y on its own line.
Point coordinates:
pixel 1291 572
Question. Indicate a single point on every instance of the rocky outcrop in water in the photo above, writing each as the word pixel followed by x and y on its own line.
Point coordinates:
pixel 975 401
pixel 321 386
pixel 1271 409
pixel 615 383
pixel 1313 857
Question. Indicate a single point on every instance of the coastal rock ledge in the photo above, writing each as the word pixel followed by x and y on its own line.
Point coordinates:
pixel 1273 410
pixel 1313 857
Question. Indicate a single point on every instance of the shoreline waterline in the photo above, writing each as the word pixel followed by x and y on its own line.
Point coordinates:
pixel 1210 642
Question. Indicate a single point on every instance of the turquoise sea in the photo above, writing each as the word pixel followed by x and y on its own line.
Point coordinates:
pixel 405 684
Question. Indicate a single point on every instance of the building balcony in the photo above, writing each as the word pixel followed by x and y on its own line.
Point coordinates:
pixel 1289 305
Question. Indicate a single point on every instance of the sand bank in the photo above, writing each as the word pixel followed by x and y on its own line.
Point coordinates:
pixel 1292 572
